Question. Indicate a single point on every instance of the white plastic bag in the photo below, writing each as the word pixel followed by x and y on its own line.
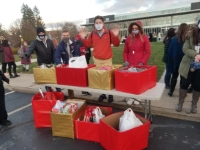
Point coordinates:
pixel 128 121
pixel 78 62
pixel 97 115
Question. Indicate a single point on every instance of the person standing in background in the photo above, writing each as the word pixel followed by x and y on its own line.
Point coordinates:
pixel 9 58
pixel 167 41
pixel 24 62
pixel 175 55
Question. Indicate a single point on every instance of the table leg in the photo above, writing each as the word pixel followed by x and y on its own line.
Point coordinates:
pixel 145 109
pixel 150 114
pixel 71 93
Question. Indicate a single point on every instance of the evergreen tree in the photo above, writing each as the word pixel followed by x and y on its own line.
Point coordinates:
pixel 38 18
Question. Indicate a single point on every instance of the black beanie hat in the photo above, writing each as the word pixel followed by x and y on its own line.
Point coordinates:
pixel 40 29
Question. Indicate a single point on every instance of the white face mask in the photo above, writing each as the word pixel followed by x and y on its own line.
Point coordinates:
pixel 199 25
pixel 135 31
pixel 98 26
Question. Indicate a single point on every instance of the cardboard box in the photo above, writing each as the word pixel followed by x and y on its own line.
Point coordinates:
pixel 135 82
pixel 44 75
pixel 73 76
pixel 87 130
pixel 102 79
pixel 63 124
pixel 41 109
pixel 133 139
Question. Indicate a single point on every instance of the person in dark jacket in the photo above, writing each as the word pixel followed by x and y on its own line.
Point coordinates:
pixel 3 112
pixel 175 55
pixel 44 48
pixel 66 49
pixel 10 59
pixel 167 41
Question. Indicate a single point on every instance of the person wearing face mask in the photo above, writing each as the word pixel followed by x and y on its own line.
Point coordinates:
pixel 137 46
pixel 189 74
pixel 175 55
pixel 43 47
pixel 101 39
pixel 24 62
pixel 66 49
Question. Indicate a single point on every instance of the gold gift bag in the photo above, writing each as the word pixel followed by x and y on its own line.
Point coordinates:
pixel 63 124
pixel 44 75
pixel 102 79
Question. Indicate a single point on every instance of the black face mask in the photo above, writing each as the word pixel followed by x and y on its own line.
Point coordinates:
pixel 41 36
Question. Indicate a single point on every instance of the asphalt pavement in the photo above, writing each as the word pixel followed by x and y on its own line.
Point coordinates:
pixel 165 133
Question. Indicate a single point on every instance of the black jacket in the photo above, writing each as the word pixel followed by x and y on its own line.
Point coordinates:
pixel 166 47
pixel 44 54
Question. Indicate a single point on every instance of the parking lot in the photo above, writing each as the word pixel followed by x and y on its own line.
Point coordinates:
pixel 165 133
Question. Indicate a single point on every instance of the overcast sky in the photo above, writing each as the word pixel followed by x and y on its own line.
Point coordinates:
pixel 78 10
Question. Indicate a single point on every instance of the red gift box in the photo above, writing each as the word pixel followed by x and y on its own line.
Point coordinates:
pixel 135 82
pixel 87 130
pixel 73 76
pixel 133 139
pixel 42 108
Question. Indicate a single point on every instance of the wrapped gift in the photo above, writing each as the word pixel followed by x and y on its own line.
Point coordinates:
pixel 42 107
pixel 89 130
pixel 135 82
pixel 63 124
pixel 112 139
pixel 102 78
pixel 72 76
pixel 44 75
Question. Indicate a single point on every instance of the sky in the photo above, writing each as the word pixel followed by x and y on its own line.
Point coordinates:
pixel 78 10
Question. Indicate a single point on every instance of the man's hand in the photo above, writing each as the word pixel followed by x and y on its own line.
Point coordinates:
pixel 83 33
pixel 197 58
pixel 115 30
pixel 7 80
pixel 59 65
pixel 26 57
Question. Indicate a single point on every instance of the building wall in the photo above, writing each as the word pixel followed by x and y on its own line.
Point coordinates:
pixel 151 25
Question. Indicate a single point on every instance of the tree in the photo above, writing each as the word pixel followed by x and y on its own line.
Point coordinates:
pixel 15 32
pixel 31 19
pixel 38 18
pixel 72 28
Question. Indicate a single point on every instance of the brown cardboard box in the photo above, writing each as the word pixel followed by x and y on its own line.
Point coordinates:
pixel 44 75
pixel 63 124
pixel 102 79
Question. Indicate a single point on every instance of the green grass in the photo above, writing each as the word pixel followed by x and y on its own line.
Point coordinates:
pixel 17 58
pixel 155 58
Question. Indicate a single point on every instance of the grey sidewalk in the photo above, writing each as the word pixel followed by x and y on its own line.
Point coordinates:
pixel 164 107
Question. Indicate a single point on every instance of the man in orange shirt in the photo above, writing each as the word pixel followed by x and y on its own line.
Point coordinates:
pixel 101 39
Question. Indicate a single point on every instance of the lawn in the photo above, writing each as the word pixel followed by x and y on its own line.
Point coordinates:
pixel 17 58
pixel 155 58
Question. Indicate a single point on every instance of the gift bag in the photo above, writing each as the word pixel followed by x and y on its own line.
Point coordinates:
pixel 78 62
pixel 97 115
pixel 128 121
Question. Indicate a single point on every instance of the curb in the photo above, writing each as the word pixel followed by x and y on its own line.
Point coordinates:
pixel 171 113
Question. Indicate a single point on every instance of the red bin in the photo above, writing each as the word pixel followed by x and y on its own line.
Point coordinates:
pixel 73 76
pixel 135 82
pixel 42 108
